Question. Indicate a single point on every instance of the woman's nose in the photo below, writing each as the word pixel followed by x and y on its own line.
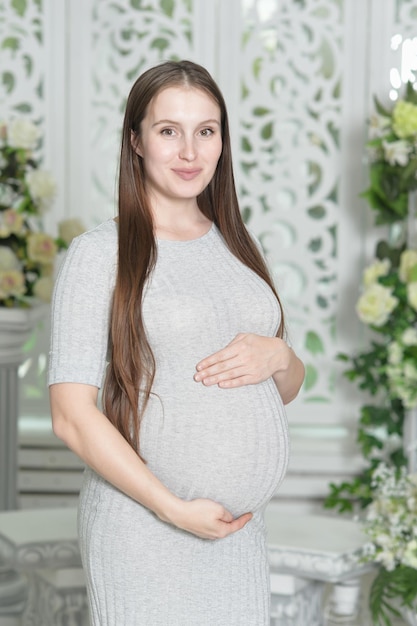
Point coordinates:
pixel 188 149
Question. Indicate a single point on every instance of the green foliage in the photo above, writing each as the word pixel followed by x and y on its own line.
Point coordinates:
pixel 386 588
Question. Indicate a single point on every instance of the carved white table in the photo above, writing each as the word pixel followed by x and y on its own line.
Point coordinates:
pixel 42 545
pixel 305 553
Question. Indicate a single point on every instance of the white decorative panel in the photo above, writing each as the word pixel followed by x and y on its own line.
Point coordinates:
pixel 123 40
pixel 290 160
pixel 22 59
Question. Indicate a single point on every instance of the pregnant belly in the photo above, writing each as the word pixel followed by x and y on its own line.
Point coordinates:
pixel 227 445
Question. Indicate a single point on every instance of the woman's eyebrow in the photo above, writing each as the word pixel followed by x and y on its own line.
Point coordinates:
pixel 173 122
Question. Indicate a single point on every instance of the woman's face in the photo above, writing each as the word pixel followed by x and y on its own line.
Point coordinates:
pixel 180 143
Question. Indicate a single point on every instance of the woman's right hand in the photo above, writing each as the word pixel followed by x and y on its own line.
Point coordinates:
pixel 208 519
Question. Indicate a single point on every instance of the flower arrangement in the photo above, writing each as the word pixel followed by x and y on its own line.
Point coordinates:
pixel 27 254
pixel 390 522
pixel 393 153
pixel 387 368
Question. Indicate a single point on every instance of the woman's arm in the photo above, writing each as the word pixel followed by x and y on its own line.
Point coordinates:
pixel 86 430
pixel 250 359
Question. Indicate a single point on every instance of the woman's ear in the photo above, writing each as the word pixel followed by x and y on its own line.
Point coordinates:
pixel 135 143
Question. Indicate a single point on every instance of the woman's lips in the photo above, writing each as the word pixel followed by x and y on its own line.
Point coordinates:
pixel 187 174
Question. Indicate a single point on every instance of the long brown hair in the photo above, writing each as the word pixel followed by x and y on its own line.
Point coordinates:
pixel 131 371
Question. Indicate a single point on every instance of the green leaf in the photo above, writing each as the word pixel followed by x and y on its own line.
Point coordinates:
pixel 313 343
pixel 11 43
pixel 167 7
pixel 413 274
pixel 8 81
pixel 310 377
pixel 246 145
pixel 381 109
pixel 19 6
pixel 260 111
pixel 160 43
pixel 267 130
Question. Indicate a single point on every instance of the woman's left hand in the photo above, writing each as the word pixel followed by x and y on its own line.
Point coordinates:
pixel 247 360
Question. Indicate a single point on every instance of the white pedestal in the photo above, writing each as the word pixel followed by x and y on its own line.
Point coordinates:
pixel 15 327
pixel 314 550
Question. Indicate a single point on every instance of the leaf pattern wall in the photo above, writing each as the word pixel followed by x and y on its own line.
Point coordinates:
pixel 290 115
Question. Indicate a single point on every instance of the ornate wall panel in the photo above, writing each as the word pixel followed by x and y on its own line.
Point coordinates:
pixel 22 67
pixel 290 119
pixel 126 39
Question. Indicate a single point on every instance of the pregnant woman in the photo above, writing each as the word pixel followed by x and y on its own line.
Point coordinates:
pixel 170 308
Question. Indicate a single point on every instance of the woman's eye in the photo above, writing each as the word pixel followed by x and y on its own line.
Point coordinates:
pixel 206 132
pixel 168 132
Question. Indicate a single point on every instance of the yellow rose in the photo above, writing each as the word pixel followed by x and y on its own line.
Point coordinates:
pixel 12 283
pixel 68 229
pixel 412 295
pixel 408 261
pixel 43 288
pixel 8 259
pixel 41 248
pixel 374 271
pixel 376 304
pixel 404 119
pixel 11 222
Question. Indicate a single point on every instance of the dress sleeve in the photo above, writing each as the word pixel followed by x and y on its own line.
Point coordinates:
pixel 81 312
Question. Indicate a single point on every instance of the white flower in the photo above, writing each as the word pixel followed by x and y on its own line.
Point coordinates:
pixel 23 134
pixel 43 288
pixel 376 304
pixel 41 248
pixel 41 187
pixel 396 152
pixel 10 222
pixel 68 229
pixel 409 337
pixel 374 271
pixel 377 125
pixel 395 353
pixel 8 259
pixel 12 284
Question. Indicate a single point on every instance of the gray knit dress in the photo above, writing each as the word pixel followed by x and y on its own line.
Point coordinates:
pixel 230 445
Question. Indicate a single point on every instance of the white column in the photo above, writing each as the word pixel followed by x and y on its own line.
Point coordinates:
pixel 15 327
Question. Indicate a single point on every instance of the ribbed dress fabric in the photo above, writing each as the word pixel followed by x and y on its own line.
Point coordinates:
pixel 230 445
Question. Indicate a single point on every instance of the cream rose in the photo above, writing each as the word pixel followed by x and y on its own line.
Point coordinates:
pixel 412 295
pixel 11 222
pixel 8 259
pixel 374 271
pixel 408 261
pixel 43 288
pixel 23 134
pixel 68 229
pixel 376 304
pixel 12 283
pixel 42 187
pixel 409 337
pixel 41 248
